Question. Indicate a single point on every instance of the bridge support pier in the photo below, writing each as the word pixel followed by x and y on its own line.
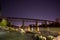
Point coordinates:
pixel 23 24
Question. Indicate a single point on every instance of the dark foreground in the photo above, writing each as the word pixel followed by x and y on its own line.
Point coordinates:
pixel 23 36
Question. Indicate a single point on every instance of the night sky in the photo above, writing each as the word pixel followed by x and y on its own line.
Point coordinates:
pixel 38 9
pixel 0 8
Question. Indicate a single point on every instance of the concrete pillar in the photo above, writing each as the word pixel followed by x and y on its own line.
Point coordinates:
pixel 37 28
pixel 23 23
pixel 36 23
pixel 45 23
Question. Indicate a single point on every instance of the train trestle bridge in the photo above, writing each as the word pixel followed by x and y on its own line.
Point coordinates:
pixel 23 20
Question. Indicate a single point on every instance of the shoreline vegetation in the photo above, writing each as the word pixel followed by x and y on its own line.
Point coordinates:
pixel 42 32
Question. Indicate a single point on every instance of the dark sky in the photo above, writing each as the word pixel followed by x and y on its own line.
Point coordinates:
pixel 0 8
pixel 38 9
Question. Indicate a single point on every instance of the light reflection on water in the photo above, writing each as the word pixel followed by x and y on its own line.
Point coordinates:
pixel 18 36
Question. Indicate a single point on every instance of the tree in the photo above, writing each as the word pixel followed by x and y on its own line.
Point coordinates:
pixel 4 22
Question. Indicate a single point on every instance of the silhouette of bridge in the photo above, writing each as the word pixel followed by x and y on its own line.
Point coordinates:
pixel 27 20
